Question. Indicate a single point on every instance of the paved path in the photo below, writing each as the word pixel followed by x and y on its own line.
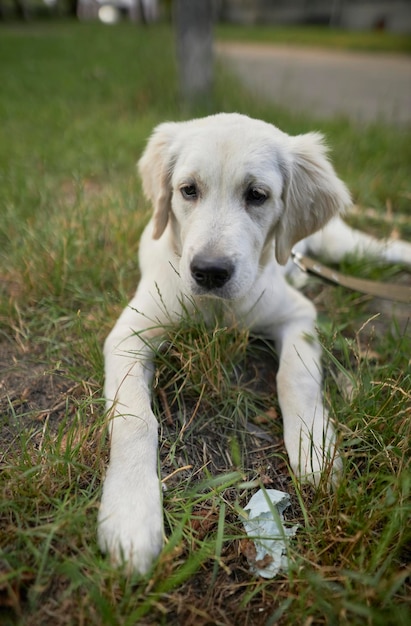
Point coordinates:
pixel 325 83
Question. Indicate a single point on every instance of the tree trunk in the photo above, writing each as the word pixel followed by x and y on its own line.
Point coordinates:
pixel 193 26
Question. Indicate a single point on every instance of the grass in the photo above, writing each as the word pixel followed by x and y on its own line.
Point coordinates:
pixel 77 103
pixel 319 36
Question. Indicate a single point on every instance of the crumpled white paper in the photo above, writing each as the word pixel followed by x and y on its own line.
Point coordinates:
pixel 267 531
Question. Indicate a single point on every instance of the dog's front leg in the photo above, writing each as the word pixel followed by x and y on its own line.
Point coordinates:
pixel 308 434
pixel 130 525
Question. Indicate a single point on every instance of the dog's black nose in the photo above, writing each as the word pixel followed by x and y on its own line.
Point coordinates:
pixel 211 274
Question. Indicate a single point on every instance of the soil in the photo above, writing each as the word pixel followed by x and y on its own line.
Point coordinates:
pixel 31 396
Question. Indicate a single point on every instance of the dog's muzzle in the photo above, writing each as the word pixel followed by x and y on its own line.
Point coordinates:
pixel 211 273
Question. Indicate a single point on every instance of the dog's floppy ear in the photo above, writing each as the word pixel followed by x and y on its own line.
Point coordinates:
pixel 155 168
pixel 312 194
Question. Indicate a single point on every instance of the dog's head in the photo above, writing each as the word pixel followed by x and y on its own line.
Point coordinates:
pixel 229 187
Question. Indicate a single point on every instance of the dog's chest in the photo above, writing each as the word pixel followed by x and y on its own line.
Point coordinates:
pixel 215 312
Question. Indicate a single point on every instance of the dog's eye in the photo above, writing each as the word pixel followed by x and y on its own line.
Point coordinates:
pixel 189 192
pixel 255 196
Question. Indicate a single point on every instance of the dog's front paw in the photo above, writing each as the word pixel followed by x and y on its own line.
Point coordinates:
pixel 314 455
pixel 130 521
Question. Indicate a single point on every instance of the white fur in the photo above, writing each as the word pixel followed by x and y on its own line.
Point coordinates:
pixel 223 156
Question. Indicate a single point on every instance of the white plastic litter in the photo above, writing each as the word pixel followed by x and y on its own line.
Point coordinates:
pixel 266 530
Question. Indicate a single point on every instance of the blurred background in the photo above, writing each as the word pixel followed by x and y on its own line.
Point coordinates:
pixel 392 15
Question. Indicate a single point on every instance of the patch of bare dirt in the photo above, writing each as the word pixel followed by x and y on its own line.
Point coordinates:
pixel 198 439
pixel 31 395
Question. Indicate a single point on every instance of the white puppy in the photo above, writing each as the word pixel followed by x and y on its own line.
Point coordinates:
pixel 231 197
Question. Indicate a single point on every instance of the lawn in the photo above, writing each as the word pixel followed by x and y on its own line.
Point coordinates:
pixel 77 103
pixel 319 36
